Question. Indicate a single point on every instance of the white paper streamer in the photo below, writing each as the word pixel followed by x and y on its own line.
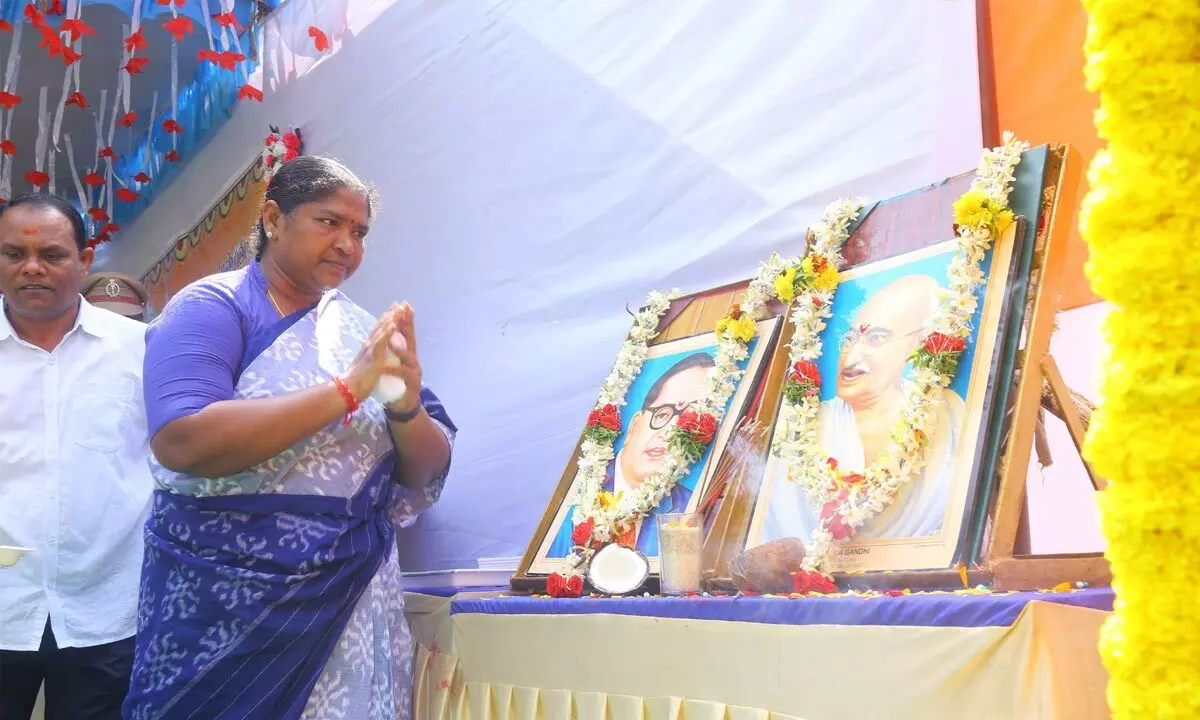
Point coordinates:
pixel 14 57
pixel 208 24
pixel 174 89
pixel 39 159
pixel 150 136
pixel 10 79
pixel 50 163
pixel 123 75
pixel 79 187
pixel 99 116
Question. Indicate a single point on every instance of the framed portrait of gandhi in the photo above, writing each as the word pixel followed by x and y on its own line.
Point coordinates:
pixel 881 312
pixel 673 376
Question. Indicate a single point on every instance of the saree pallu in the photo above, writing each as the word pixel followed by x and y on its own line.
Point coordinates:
pixel 275 593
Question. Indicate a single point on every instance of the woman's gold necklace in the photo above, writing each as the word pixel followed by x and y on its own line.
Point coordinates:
pixel 278 309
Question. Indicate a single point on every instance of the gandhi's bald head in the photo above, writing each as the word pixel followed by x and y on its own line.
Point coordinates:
pixel 886 330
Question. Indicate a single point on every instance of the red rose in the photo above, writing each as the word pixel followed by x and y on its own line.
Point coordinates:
pixel 938 343
pixel 817 301
pixel 270 161
pixel 836 524
pixel 610 417
pixel 832 464
pixel 689 421
pixel 291 141
pixel 271 139
pixel 822 584
pixel 852 478
pixel 290 155
pixel 808 581
pixel 593 418
pixel 706 430
pixel 805 371
pixel 583 532
pixel 558 586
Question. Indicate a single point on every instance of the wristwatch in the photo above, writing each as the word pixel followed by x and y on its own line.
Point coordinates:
pixel 403 417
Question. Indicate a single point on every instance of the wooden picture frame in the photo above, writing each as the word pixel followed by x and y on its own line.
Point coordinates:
pixel 689 321
pixel 987 548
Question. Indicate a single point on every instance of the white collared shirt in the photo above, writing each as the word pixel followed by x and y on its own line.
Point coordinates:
pixel 75 482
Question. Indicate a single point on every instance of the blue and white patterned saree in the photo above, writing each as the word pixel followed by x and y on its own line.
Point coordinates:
pixel 275 592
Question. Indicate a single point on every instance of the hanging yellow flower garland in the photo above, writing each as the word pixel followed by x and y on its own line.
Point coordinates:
pixel 1141 220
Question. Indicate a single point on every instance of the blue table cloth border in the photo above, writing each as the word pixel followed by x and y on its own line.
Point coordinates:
pixel 918 610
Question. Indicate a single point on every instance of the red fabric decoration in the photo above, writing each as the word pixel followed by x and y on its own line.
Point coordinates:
pixel 9 100
pixel 229 59
pixel 179 27
pixel 109 229
pixel 228 20
pixel 141 177
pixel 97 214
pixel 37 178
pixel 34 17
pixel 127 195
pixel 249 92
pixel 106 152
pixel 77 99
pixel 169 125
pixel 70 57
pixel 320 39
pixel 77 28
pixel 8 147
pixel 171 156
pixel 135 65
pixel 167 3
pixel 135 42
pixel 56 8
pixel 127 119
pixel 93 179
pixel 5 26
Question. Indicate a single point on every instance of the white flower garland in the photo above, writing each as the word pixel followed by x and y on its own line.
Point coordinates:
pixel 610 517
pixel 847 500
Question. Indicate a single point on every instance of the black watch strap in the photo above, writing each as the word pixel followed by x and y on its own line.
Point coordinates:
pixel 403 417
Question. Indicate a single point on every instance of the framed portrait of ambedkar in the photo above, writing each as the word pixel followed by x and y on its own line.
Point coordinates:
pixel 674 377
pixel 881 315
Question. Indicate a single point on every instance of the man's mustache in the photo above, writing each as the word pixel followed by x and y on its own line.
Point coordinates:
pixel 858 367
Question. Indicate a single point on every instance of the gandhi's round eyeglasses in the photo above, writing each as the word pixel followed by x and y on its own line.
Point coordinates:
pixel 874 337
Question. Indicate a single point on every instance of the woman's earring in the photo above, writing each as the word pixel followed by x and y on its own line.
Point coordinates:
pixel 270 235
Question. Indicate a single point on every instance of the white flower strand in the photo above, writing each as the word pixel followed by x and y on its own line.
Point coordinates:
pixel 797 436
pixel 723 380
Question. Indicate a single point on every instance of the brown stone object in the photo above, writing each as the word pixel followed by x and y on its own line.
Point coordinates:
pixel 767 568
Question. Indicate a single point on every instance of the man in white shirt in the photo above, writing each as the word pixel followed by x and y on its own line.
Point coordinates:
pixel 75 484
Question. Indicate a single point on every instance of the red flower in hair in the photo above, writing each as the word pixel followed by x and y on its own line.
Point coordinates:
pixel 291 141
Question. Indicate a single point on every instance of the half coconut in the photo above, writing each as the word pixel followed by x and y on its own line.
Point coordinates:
pixel 618 570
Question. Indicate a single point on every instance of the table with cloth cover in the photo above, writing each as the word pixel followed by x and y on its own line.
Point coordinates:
pixel 483 656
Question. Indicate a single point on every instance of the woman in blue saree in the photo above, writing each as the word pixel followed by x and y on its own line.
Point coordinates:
pixel 270 587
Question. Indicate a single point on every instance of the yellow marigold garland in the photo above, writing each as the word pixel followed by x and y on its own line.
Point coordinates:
pixel 1141 220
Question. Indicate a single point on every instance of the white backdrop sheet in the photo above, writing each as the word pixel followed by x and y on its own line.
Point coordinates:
pixel 544 164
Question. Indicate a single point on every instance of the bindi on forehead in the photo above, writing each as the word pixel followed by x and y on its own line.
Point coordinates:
pixel 29 231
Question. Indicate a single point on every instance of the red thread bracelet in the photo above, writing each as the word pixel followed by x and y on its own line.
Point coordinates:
pixel 351 401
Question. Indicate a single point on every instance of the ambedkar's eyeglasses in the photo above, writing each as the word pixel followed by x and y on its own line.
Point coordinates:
pixel 663 415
